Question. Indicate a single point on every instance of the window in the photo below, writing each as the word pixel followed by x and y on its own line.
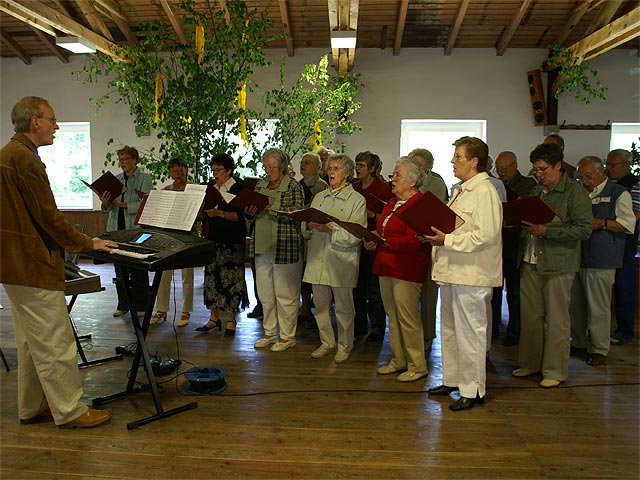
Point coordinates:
pixel 623 135
pixel 68 161
pixel 438 136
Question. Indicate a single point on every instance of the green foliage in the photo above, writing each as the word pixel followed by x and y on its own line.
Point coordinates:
pixel 576 76
pixel 315 95
pixel 199 107
pixel 635 158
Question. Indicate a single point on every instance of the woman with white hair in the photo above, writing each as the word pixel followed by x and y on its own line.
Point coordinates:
pixel 402 264
pixel 332 260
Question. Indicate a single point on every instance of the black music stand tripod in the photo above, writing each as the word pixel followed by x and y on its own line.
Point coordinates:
pixel 142 354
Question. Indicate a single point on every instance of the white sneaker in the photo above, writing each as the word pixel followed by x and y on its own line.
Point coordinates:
pixel 341 357
pixel 410 376
pixel 265 342
pixel 389 368
pixel 282 346
pixel 321 351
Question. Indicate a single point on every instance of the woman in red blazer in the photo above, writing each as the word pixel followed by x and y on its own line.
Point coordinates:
pixel 402 264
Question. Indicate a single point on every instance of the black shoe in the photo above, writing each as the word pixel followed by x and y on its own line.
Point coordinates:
pixel 596 359
pixel 256 313
pixel 441 390
pixel 510 341
pixel 465 403
pixel 578 352
pixel 617 339
pixel 230 332
pixel 204 328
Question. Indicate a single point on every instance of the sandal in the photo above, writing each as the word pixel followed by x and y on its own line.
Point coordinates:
pixel 184 319
pixel 157 317
pixel 230 332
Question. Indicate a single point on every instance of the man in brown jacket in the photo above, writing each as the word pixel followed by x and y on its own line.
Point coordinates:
pixel 33 238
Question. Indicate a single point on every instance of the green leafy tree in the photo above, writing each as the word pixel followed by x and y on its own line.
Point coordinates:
pixel 198 110
pixel 315 96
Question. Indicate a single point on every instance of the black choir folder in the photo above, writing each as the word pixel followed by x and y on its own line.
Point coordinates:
pixel 528 209
pixel 430 211
pixel 107 182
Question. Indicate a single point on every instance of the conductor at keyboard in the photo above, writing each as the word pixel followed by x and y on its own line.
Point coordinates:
pixel 33 238
pixel 122 215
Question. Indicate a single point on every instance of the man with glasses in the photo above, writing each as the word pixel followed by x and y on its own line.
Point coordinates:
pixel 550 256
pixel 625 288
pixel 601 256
pixel 514 181
pixel 33 238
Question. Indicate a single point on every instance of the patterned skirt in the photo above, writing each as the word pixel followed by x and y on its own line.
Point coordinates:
pixel 224 284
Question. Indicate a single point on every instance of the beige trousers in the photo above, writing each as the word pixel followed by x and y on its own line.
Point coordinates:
pixel 47 366
pixel 164 291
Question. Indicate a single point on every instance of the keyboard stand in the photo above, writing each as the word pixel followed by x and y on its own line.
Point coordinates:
pixel 142 354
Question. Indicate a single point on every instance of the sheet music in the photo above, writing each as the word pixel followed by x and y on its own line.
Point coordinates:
pixel 169 209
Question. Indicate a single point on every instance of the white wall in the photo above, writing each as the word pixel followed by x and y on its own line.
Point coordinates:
pixel 419 83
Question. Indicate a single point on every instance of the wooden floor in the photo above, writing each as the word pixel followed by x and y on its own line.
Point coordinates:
pixel 286 415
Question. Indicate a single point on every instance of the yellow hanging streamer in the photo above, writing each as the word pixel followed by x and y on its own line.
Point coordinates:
pixel 159 78
pixel 242 104
pixel 316 141
pixel 245 37
pixel 200 41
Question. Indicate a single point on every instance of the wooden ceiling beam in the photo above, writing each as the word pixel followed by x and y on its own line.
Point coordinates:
pixel 402 20
pixel 513 26
pixel 343 15
pixel 113 10
pixel 173 20
pixel 605 15
pixel 575 16
pixel 457 23
pixel 288 38
pixel 10 42
pixel 51 45
pixel 223 7
pixel 49 20
pixel 92 16
pixel 619 31
pixel 30 20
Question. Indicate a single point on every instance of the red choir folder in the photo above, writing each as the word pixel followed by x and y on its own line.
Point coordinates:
pixel 246 198
pixel 359 231
pixel 212 197
pixel 250 182
pixel 528 209
pixel 141 208
pixel 430 211
pixel 308 215
pixel 107 182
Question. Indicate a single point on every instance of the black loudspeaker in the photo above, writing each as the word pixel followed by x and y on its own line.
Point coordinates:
pixel 537 98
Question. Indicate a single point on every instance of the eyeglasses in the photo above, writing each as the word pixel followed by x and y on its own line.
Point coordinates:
pixel 588 176
pixel 540 169
pixel 611 165
pixel 395 175
pixel 334 168
pixel 457 156
pixel 504 167
pixel 218 169
pixel 51 119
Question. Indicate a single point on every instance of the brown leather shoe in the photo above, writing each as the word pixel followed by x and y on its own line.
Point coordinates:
pixel 40 417
pixel 596 359
pixel 91 418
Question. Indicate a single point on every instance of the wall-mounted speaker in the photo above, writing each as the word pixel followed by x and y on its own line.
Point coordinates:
pixel 537 98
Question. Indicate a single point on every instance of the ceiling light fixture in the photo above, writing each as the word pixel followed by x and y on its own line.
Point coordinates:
pixel 76 44
pixel 343 39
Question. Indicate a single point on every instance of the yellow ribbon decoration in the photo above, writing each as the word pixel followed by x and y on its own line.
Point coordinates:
pixel 158 99
pixel 200 41
pixel 242 104
pixel 316 141
pixel 245 37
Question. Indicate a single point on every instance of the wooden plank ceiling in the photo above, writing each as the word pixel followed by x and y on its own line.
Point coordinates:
pixel 28 27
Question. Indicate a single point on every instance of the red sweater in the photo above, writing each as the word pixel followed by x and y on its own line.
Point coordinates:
pixel 404 257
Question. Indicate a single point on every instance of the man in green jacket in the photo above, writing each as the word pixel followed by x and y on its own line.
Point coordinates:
pixel 33 238
pixel 550 257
